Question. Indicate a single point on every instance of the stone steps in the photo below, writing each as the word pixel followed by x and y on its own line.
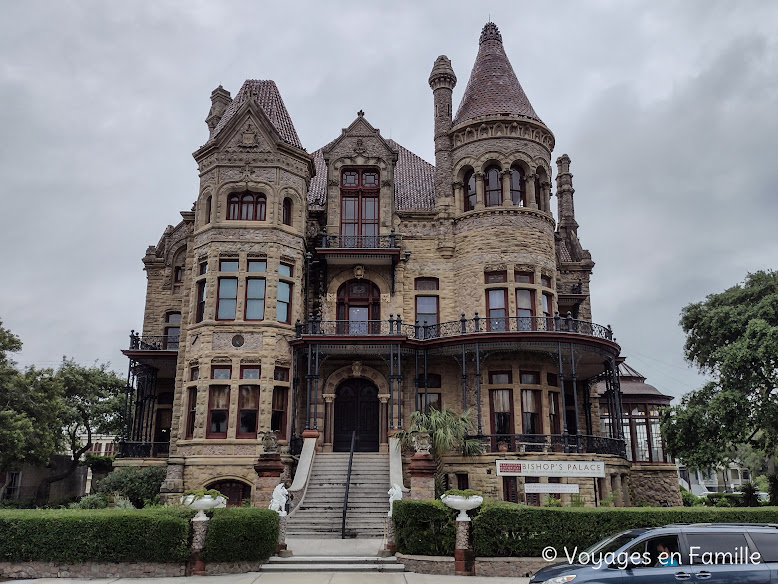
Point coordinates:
pixel 320 512
pixel 333 564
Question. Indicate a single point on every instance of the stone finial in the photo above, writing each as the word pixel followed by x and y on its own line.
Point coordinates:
pixel 563 164
pixel 490 32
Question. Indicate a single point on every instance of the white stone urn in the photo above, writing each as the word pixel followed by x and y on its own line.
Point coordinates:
pixel 203 504
pixel 462 504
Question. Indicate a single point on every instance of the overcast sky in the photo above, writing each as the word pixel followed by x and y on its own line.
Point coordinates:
pixel 667 110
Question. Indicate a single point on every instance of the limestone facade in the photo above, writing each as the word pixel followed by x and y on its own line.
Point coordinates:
pixel 345 289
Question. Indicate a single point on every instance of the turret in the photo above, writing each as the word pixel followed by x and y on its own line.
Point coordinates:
pixel 220 100
pixel 564 192
pixel 442 81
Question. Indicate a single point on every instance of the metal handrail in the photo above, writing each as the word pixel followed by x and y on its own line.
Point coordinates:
pixel 348 484
pixel 521 443
pixel 421 331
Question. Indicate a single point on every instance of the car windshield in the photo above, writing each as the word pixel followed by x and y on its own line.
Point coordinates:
pixel 609 544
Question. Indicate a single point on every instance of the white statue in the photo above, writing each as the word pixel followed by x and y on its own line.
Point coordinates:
pixel 278 502
pixel 395 494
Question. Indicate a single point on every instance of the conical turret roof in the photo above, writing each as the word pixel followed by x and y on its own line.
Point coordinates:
pixel 493 88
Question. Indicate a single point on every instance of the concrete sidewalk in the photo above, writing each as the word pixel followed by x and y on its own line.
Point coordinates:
pixel 294 578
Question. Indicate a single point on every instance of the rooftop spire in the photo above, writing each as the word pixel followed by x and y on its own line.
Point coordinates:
pixel 493 88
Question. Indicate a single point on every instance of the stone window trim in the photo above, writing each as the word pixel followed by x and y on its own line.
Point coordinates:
pixel 227 297
pixel 279 411
pixel 284 302
pixel 200 301
pixel 286 211
pixel 191 412
pixel 360 202
pixel 245 369
pixel 254 296
pixel 219 376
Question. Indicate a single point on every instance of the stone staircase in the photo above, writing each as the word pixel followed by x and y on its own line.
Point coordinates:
pixel 319 514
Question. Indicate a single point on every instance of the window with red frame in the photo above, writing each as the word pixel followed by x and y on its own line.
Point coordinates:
pixel 496 309
pixel 255 299
pixel 555 421
pixel 218 411
pixel 523 277
pixel 545 281
pixel 359 190
pixel 524 309
pixel 246 206
pixel 221 372
pixel 283 302
pixel 278 416
pixel 510 489
pixel 172 331
pixel 281 374
pixel 190 412
pixel 426 284
pixel 530 412
pixel 249 372
pixel 248 408
pixel 496 277
pixel 200 308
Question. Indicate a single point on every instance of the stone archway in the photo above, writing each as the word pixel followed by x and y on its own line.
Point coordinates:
pixel 332 389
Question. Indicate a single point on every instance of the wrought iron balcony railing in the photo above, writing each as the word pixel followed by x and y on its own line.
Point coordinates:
pixel 390 241
pixel 550 443
pixel 463 326
pixel 153 342
pixel 143 449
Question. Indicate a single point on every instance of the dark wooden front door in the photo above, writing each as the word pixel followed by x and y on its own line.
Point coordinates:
pixel 356 410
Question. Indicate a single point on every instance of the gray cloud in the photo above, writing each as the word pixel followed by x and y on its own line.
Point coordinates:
pixel 667 110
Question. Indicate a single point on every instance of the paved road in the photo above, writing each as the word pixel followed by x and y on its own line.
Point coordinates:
pixel 295 578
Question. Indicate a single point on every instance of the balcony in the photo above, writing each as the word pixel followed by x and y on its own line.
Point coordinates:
pixel 153 342
pixel 158 351
pixel 457 328
pixel 553 443
pixel 363 249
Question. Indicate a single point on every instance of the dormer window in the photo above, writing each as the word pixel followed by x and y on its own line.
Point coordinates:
pixel 359 190
pixel 246 206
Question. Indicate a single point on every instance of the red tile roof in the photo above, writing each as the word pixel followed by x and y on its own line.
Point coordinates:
pixel 493 88
pixel 267 97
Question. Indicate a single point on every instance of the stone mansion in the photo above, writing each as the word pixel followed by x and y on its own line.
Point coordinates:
pixel 321 298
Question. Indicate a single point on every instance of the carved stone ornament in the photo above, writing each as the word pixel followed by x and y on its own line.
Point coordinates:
pixel 332 182
pixel 422 442
pixel 386 183
pixel 270 442
pixel 248 138
pixel 360 147
pixel 356 368
pixel 359 271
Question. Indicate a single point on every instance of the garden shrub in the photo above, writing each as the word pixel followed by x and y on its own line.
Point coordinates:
pixel 507 529
pixel 500 528
pixel 424 527
pixel 241 534
pixel 96 501
pixel 97 535
pixel 138 484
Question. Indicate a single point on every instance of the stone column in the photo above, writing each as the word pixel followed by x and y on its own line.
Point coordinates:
pixel 329 429
pixel 479 190
pixel 383 423
pixel 459 195
pixel 464 555
pixel 616 488
pixel 546 196
pixel 529 188
pixel 625 500
pixel 173 485
pixel 506 188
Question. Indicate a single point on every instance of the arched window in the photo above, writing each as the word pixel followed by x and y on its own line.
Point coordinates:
pixel 208 210
pixel 469 191
pixel 287 211
pixel 246 206
pixel 492 187
pixel 517 187
pixel 233 207
pixel 359 308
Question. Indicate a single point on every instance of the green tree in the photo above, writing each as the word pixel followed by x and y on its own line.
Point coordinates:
pixel 448 432
pixel 92 404
pixel 732 337
pixel 29 404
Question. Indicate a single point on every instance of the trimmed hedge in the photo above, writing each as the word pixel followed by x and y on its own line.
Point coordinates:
pixel 424 528
pixel 104 535
pixel 507 529
pixel 502 529
pixel 241 534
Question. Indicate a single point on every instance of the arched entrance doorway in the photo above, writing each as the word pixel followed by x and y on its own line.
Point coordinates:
pixel 356 410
